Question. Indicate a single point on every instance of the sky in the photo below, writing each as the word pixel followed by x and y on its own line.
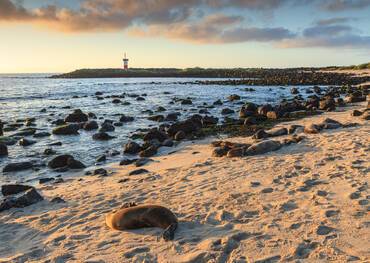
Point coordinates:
pixel 41 36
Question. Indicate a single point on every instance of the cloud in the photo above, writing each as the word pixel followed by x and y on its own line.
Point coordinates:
pixel 11 11
pixel 197 21
pixel 216 28
pixel 329 33
pixel 344 5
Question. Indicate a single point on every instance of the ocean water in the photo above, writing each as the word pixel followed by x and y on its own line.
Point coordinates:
pixel 24 96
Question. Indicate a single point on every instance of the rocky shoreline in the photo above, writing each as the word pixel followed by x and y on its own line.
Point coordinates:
pixel 145 143
pixel 293 192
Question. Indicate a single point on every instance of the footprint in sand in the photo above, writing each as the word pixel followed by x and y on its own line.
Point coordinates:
pixel 133 252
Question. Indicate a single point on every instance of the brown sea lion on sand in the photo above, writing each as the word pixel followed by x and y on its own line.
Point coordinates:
pixel 132 216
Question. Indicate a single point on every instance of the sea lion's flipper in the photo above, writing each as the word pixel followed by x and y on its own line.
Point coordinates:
pixel 169 233
pixel 127 205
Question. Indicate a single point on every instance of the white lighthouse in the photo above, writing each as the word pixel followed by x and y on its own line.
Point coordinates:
pixel 125 62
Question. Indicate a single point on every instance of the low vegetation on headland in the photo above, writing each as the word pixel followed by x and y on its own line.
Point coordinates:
pixel 236 76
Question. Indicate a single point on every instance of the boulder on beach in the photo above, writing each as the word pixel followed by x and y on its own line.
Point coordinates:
pixel 179 136
pixel 13 189
pixel 26 142
pixel 312 129
pixel 15 167
pixel 277 132
pixel 68 129
pixel 155 134
pixel 3 150
pixel 125 118
pixel 59 161
pixel 24 199
pixel 132 148
pixel 149 152
pixel 91 125
pixel 188 126
pixel 76 116
pixel 263 147
pixel 102 136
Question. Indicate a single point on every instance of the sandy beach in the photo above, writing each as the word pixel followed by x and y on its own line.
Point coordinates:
pixel 305 201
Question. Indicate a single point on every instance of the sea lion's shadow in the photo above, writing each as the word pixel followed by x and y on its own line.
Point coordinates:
pixel 190 231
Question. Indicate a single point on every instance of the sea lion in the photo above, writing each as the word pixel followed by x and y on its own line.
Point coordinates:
pixel 132 216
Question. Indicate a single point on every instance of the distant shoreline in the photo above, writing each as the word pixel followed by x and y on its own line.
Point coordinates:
pixel 237 76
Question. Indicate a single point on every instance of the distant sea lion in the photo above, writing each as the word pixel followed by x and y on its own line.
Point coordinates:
pixel 132 216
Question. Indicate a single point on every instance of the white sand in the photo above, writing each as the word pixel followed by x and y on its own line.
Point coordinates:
pixel 223 218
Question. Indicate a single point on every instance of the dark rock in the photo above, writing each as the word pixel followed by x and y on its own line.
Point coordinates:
pixel 260 134
pixel 217 102
pixel 263 147
pixel 41 134
pixel 155 134
pixel 25 142
pixel 132 148
pixel 220 151
pixel 3 150
pixel 125 119
pixel 101 172
pixel 173 116
pixel 324 230
pixel 69 129
pixel 277 132
pixel 366 116
pixel 92 115
pixel 91 125
pixel 180 135
pixel 234 97
pixel 59 122
pixel 160 109
pixel 168 143
pixel 116 101
pixel 327 104
pixel 15 167
pixel 149 152
pixel 262 110
pixel 102 136
pixel 236 152
pixel 13 189
pixel 59 161
pixel 294 91
pixel 101 158
pixel 140 98
pixel 157 118
pixel 142 162
pixel 227 111
pixel 77 116
pixel 27 198
pixel 45 180
pixel 25 132
pixel 57 200
pixel 107 127
pixel 75 164
pixel 312 129
pixel 250 121
pixel 188 126
pixel 267 190
pixel 49 151
pixel 209 120
pixel 127 161
pixel 356 113
pixel 186 102
pixel 138 171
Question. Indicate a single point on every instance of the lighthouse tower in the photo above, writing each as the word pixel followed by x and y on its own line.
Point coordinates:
pixel 125 63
